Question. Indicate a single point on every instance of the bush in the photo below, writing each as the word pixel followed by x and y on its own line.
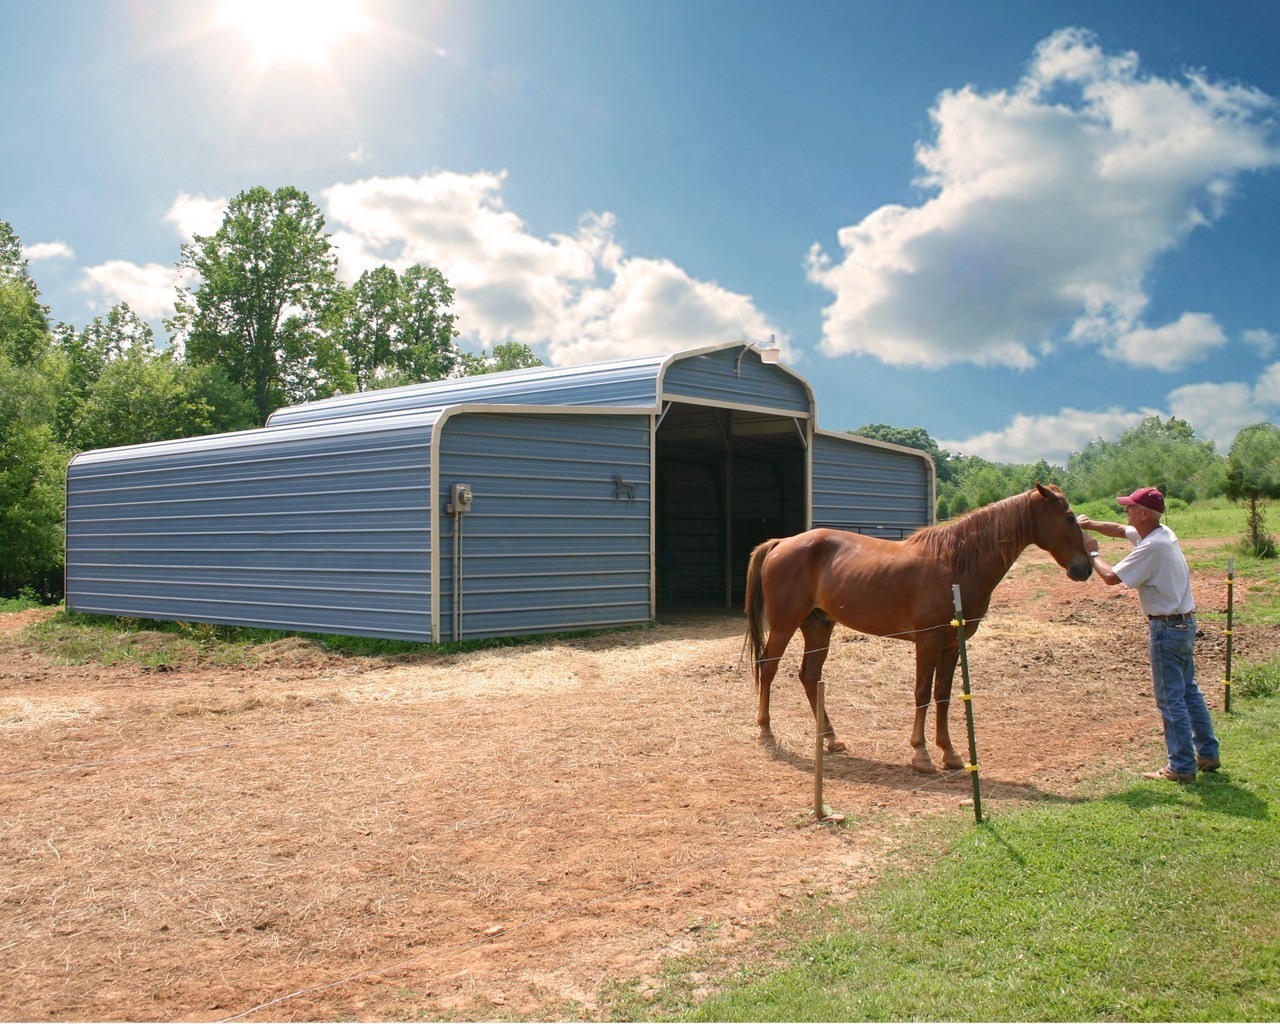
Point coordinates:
pixel 1257 680
pixel 1263 547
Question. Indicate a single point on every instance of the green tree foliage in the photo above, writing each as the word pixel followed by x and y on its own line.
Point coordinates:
pixel 32 461
pixel 395 328
pixel 24 320
pixel 426 349
pixel 910 437
pixel 1253 477
pixel 265 277
pixel 120 390
pixel 511 355
pixel 32 477
pixel 1160 453
pixel 140 398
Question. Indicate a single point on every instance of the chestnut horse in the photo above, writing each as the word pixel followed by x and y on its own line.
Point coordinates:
pixel 899 588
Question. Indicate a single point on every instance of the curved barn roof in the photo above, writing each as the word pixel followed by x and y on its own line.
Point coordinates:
pixel 642 381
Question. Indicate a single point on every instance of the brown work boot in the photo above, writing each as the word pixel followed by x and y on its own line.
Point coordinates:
pixel 1208 764
pixel 1167 774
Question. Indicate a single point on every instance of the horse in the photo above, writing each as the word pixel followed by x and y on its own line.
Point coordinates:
pixel 897 588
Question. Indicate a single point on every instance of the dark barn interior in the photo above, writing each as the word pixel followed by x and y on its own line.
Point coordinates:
pixel 727 479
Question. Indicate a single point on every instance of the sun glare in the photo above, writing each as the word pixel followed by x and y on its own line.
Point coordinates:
pixel 294 31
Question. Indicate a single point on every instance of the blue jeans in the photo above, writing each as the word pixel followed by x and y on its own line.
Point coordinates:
pixel 1187 728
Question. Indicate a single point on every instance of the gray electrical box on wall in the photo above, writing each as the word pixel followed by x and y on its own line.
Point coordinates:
pixel 461 500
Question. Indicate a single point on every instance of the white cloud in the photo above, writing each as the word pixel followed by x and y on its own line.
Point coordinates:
pixel 196 215
pixel 148 289
pixel 48 251
pixel 1050 205
pixel 579 295
pixel 1218 411
pixel 1261 341
pixel 1190 337
pixel 1053 438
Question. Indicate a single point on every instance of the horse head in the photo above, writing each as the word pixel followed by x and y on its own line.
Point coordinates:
pixel 1056 530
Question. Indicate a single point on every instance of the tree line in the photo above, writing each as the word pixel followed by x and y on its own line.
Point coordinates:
pixel 264 322
pixel 1164 453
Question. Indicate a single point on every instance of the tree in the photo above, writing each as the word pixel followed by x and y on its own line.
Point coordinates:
pixel 362 320
pixel 426 349
pixel 264 278
pixel 24 320
pixel 90 352
pixel 511 355
pixel 910 437
pixel 1253 476
pixel 32 478
pixel 140 398
pixel 1163 453
pixel 395 328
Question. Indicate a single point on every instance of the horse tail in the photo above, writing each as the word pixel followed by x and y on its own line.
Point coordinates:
pixel 753 642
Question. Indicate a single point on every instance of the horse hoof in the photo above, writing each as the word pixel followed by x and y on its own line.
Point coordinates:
pixel 953 763
pixel 765 739
pixel 924 766
pixel 837 747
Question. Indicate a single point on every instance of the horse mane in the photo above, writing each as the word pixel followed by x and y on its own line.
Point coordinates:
pixel 997 531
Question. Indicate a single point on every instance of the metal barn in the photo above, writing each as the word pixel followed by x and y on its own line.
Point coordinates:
pixel 522 502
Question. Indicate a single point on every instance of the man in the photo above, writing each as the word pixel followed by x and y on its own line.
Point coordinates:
pixel 1157 570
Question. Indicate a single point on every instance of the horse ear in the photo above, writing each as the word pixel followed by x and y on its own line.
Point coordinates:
pixel 1043 493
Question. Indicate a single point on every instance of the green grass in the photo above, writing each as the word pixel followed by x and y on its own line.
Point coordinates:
pixel 74 639
pixel 1143 901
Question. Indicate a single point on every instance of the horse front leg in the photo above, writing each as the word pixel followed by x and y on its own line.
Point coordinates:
pixel 767 669
pixel 942 697
pixel 926 660
pixel 816 630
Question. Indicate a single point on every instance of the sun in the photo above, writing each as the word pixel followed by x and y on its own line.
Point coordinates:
pixel 294 31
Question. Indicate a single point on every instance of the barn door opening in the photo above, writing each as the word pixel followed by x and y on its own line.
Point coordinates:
pixel 726 480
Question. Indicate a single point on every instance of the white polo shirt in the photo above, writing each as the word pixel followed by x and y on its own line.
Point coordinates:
pixel 1157 570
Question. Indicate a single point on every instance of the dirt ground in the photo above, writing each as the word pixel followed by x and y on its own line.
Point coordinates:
pixel 503 833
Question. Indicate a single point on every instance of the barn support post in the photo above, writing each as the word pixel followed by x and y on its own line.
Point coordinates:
pixel 1230 631
pixel 967 697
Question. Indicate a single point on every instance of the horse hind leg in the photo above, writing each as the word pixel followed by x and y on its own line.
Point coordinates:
pixel 767 668
pixel 816 630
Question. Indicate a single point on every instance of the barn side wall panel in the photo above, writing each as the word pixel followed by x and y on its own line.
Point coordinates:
pixel 868 489
pixel 296 530
pixel 557 537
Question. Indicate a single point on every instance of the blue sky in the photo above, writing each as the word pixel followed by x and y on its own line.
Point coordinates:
pixel 1020 226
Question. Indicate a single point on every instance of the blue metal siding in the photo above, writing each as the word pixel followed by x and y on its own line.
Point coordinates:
pixel 305 529
pixel 629 382
pixel 552 543
pixel 868 489
pixel 718 378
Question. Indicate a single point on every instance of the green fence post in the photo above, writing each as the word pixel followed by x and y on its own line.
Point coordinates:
pixel 967 697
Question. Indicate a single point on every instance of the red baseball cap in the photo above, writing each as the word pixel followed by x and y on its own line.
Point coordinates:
pixel 1147 497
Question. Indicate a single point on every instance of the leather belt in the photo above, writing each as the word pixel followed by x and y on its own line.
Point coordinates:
pixel 1176 617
